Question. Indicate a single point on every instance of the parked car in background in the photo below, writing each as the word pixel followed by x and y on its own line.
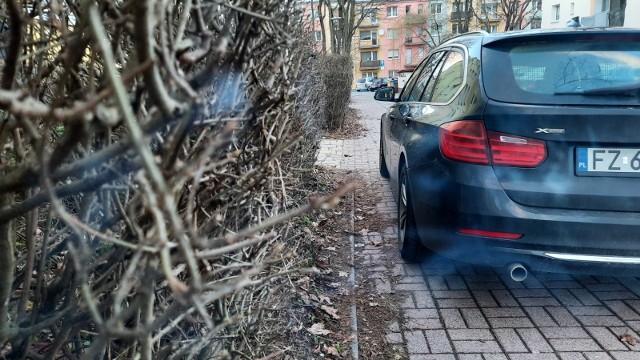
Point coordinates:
pixel 363 84
pixel 520 149
pixel 378 83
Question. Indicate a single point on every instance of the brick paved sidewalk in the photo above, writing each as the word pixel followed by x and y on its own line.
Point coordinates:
pixel 451 310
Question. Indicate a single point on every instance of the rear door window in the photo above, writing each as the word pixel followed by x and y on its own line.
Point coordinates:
pixel 425 76
pixel 450 78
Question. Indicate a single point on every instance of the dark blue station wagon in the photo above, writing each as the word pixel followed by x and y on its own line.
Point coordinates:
pixel 520 150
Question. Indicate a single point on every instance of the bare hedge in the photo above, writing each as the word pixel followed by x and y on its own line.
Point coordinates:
pixel 337 71
pixel 153 154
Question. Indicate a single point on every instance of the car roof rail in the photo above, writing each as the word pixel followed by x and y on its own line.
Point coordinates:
pixel 475 32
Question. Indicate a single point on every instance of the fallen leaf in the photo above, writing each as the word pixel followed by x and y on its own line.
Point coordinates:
pixel 343 274
pixel 364 231
pixel 331 311
pixel 629 339
pixel 359 218
pixel 331 350
pixel 318 329
pixel 377 243
pixel 331 248
pixel 323 298
pixel 373 304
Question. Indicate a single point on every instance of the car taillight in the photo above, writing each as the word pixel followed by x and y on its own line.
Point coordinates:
pixel 464 141
pixel 467 141
pixel 518 151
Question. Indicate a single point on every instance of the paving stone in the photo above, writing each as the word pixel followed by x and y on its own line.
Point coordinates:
pixel 423 299
pixel 503 312
pixel 565 332
pixel 574 345
pixel 456 303
pixel 530 293
pixel 451 294
pixel 484 298
pixel 423 324
pixel 395 338
pixel 565 297
pixel 410 287
pixel 504 298
pixel 511 322
pixel 421 314
pixel 571 356
pixel 437 283
pixel 510 340
pixel 534 356
pixel 543 301
pixel 562 316
pixel 470 334
pixel 606 338
pixel 596 355
pixel 416 343
pixel 455 282
pixel 452 318
pixel 600 320
pixel 474 318
pixel 614 295
pixel 438 341
pixel 589 310
pixel 625 355
pixel 534 340
pixel 432 357
pixel 622 310
pixel 473 346
pixel 585 297
pixel 539 316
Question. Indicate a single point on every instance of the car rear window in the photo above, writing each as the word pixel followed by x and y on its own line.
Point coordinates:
pixel 593 70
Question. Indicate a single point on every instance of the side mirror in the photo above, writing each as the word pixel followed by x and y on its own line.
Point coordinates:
pixel 385 94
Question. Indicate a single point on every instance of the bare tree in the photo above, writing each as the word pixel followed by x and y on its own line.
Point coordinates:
pixel 344 18
pixel 428 27
pixel 514 14
pixel 617 12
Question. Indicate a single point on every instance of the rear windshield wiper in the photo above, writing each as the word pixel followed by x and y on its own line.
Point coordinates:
pixel 631 89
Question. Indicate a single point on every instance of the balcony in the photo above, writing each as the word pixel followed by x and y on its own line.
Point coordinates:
pixel 368 44
pixel 411 64
pixel 460 15
pixel 366 23
pixel 370 65
pixel 413 42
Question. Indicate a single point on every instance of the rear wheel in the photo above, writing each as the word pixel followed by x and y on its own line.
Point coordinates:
pixel 382 165
pixel 410 247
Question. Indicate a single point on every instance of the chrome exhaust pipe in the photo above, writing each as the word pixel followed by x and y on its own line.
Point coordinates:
pixel 517 271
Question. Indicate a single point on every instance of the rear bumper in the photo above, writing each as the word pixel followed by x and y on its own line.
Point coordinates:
pixel 449 198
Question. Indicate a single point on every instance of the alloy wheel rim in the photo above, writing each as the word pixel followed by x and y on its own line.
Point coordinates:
pixel 402 216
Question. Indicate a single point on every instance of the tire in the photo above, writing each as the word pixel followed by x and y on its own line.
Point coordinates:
pixel 382 164
pixel 410 248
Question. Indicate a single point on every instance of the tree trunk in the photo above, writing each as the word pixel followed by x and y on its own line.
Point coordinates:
pixel 616 12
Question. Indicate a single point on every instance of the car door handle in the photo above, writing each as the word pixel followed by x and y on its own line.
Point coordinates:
pixel 392 117
pixel 407 119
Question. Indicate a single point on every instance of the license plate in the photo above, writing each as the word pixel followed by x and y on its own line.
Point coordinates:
pixel 607 160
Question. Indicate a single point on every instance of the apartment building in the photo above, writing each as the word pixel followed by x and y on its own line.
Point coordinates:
pixel 556 13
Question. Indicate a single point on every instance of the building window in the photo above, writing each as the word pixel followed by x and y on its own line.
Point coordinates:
pixel 555 12
pixel 490 10
pixel 605 5
pixel 420 53
pixel 407 9
pixel 317 35
pixel 457 7
pixel 393 34
pixel 572 8
pixel 420 8
pixel 490 28
pixel 436 8
pixel 394 54
pixel 369 56
pixel 393 73
pixel 392 11
pixel 315 14
pixel 369 75
pixel 456 28
pixel 365 35
pixel 408 36
pixel 536 24
pixel 371 14
pixel 539 5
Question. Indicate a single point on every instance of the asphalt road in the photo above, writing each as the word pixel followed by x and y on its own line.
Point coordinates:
pixel 451 310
